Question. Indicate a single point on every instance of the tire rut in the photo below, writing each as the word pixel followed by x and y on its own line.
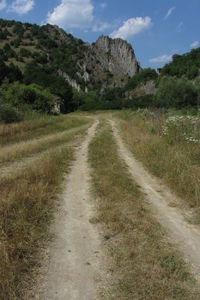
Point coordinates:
pixel 73 268
pixel 186 236
pixel 11 168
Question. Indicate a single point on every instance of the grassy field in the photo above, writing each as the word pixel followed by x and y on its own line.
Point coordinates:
pixel 28 148
pixel 38 125
pixel 29 196
pixel 143 265
pixel 168 145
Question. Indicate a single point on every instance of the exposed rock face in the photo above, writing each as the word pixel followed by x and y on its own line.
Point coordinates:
pixel 120 55
pixel 109 63
pixel 148 88
pixel 106 63
pixel 71 81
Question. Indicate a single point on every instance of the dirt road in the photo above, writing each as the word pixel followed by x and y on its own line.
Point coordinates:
pixel 74 264
pixel 185 235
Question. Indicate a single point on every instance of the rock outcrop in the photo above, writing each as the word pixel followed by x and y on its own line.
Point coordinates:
pixel 109 63
pixel 120 55
pixel 105 64
pixel 146 89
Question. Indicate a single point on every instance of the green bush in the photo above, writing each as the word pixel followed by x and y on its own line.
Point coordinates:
pixel 187 64
pixel 142 77
pixel 9 114
pixel 57 85
pixel 176 92
pixel 25 97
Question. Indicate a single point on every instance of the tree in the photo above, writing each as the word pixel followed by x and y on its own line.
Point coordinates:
pixel 141 78
pixel 57 85
pixel 3 71
pixel 14 73
pixel 176 92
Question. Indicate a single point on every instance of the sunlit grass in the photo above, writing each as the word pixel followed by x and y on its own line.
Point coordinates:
pixel 143 265
pixel 37 126
pixel 166 149
pixel 26 207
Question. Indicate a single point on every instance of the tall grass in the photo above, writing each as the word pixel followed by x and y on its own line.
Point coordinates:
pixel 169 148
pixel 26 206
pixel 143 265
pixel 36 127
pixel 24 149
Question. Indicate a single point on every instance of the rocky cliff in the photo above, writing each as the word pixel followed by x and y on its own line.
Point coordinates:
pixel 110 62
pixel 106 63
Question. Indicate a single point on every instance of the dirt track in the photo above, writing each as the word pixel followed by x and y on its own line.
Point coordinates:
pixel 183 234
pixel 74 269
pixel 74 263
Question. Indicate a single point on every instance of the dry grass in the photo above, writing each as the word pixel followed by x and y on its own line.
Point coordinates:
pixel 38 126
pixel 28 197
pixel 171 158
pixel 24 149
pixel 26 206
pixel 143 263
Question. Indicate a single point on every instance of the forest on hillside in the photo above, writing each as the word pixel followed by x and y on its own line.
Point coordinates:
pixel 29 82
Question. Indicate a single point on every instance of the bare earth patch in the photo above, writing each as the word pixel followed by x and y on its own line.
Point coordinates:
pixel 74 268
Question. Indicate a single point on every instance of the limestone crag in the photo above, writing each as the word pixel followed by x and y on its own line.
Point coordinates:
pixel 109 63
pixel 121 55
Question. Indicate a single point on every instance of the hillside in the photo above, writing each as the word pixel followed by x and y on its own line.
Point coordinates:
pixel 187 64
pixel 106 63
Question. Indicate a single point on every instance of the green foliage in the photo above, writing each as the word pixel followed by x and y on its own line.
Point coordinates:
pixel 176 92
pixel 56 84
pixel 113 94
pixel 14 73
pixel 3 70
pixel 8 113
pixel 11 72
pixel 187 64
pixel 24 52
pixel 3 35
pixel 142 77
pixel 85 101
pixel 16 43
pixel 25 97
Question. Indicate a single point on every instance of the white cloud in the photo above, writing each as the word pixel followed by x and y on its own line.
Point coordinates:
pixel 161 59
pixel 179 27
pixel 170 11
pixel 132 27
pixel 21 6
pixel 195 44
pixel 103 5
pixel 72 14
pixel 3 4
pixel 100 26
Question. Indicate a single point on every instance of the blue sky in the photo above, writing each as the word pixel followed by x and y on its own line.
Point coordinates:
pixel 157 29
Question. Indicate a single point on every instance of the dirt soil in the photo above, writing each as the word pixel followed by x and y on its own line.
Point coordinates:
pixel 186 236
pixel 74 264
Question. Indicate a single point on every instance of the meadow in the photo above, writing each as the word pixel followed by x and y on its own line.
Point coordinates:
pixel 29 192
pixel 140 260
pixel 168 145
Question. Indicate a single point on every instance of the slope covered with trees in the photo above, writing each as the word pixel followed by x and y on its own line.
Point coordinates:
pixel 46 64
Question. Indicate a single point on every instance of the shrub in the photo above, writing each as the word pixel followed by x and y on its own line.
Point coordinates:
pixel 56 84
pixel 9 114
pixel 28 97
pixel 186 64
pixel 142 77
pixel 176 92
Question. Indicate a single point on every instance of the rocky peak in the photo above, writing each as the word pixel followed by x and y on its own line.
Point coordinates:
pixel 121 52
pixel 109 63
